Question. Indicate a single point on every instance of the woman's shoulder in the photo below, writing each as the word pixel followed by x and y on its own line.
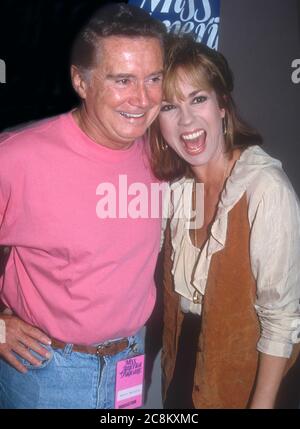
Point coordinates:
pixel 262 173
pixel 269 186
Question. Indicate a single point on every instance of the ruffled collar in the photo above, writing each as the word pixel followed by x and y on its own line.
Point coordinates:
pixel 247 167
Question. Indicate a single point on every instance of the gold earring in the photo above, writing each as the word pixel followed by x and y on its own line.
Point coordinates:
pixel 224 126
pixel 161 145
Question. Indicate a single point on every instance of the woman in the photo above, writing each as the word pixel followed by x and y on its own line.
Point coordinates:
pixel 235 297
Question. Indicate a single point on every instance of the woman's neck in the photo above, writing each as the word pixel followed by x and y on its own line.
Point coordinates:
pixel 214 173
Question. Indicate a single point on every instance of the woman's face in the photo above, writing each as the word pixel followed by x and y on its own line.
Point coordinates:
pixel 193 126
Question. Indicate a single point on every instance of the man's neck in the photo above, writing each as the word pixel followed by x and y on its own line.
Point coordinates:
pixel 86 125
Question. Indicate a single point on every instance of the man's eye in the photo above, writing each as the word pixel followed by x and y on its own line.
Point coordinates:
pixel 199 99
pixel 156 79
pixel 123 81
pixel 167 107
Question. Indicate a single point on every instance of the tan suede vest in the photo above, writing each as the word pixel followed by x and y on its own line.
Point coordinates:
pixel 227 358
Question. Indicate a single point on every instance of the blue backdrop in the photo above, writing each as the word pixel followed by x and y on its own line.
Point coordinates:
pixel 201 17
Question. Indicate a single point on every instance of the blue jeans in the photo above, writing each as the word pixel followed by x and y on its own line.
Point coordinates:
pixel 66 380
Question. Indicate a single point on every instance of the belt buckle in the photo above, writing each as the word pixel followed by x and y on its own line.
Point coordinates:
pixel 101 347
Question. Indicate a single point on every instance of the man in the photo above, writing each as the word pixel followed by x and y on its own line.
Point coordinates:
pixel 79 283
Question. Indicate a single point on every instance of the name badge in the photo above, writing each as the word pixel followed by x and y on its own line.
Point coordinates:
pixel 130 382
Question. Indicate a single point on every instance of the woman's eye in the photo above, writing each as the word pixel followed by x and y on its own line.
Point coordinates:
pixel 199 99
pixel 167 107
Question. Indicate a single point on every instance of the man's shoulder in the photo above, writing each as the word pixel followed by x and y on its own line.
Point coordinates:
pixel 30 133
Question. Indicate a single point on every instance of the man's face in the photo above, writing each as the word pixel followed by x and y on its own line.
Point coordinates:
pixel 124 93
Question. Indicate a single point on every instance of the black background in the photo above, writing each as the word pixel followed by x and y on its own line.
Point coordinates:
pixel 35 41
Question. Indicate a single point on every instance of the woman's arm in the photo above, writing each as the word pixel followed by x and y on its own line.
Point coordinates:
pixel 275 255
pixel 270 373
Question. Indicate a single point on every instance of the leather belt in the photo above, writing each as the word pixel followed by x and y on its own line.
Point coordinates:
pixel 105 349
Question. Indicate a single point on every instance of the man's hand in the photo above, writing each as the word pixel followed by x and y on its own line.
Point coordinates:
pixel 19 338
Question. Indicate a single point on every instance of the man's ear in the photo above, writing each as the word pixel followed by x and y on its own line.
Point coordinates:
pixel 78 82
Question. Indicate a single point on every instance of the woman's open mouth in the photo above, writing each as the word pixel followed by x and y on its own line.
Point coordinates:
pixel 194 142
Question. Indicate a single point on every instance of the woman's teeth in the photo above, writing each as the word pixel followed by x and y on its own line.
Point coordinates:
pixel 192 136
